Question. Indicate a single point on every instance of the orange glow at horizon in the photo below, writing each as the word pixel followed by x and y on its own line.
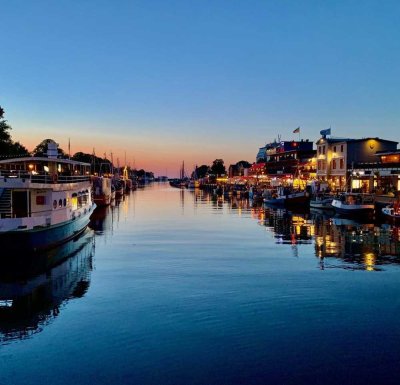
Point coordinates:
pixel 163 157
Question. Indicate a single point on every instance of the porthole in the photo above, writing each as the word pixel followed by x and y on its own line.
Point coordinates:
pixel 60 203
pixel 65 202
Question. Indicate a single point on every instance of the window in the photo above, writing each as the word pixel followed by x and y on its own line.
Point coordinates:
pixel 334 148
pixel 60 203
pixel 54 204
pixel 342 163
pixel 334 164
pixel 341 148
pixel 323 150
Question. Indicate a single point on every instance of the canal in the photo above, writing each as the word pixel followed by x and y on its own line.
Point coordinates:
pixel 175 286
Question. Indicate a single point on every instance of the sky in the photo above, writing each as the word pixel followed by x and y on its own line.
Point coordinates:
pixel 171 81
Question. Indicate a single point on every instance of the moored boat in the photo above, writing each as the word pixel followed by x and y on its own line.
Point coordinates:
pixel 119 187
pixel 287 197
pixel 322 202
pixel 44 201
pixel 102 192
pixel 354 204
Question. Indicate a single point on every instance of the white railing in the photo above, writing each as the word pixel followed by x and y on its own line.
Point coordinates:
pixel 43 178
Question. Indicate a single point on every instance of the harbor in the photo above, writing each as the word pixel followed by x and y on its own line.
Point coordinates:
pixel 199 193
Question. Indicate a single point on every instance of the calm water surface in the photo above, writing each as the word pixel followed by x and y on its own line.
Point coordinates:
pixel 175 287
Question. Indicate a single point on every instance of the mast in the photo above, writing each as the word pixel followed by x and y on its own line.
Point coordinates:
pixel 183 170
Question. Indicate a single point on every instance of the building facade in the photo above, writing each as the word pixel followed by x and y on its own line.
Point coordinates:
pixel 338 158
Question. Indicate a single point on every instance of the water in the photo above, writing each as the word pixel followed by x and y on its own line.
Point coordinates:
pixel 175 287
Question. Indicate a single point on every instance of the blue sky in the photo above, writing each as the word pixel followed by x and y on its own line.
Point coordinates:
pixel 165 81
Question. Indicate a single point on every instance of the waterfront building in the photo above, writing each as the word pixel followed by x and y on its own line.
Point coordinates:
pixel 293 159
pixel 257 171
pixel 265 152
pixel 239 169
pixel 382 176
pixel 338 159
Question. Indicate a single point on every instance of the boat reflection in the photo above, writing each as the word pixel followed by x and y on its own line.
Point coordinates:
pixel 102 219
pixel 288 227
pixel 33 288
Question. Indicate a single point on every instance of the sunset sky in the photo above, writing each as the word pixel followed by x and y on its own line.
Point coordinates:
pixel 167 81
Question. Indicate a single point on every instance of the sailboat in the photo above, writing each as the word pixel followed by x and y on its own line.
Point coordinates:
pixel 182 181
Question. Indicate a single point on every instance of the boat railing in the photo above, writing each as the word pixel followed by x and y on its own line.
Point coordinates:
pixel 42 178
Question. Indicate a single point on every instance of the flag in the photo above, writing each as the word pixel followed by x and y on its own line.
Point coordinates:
pixel 296 131
pixel 325 132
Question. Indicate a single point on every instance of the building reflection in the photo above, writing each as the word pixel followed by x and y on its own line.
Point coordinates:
pixel 361 245
pixel 33 288
pixel 357 245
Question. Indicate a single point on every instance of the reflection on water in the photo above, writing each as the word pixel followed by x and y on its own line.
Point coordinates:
pixel 34 288
pixel 362 245
pixel 357 244
pixel 190 288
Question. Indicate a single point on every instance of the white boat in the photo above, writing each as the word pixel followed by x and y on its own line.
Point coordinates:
pixel 392 212
pixel 44 201
pixel 353 204
pixel 102 190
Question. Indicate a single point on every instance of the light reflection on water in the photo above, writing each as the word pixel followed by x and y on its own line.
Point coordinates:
pixel 183 287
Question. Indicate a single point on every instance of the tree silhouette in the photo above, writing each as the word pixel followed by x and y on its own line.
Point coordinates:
pixel 41 149
pixel 218 167
pixel 7 146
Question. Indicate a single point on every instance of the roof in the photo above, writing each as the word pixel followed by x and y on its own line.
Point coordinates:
pixel 42 159
pixel 394 152
pixel 337 140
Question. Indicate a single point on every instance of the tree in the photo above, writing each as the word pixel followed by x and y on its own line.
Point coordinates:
pixel 7 146
pixel 99 165
pixel 244 164
pixel 202 171
pixel 41 149
pixel 218 167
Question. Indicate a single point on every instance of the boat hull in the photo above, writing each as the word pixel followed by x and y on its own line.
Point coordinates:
pixel 102 200
pixel 43 238
pixel 352 210
pixel 290 200
pixel 322 204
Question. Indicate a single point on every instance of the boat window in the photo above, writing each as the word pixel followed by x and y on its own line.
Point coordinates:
pixel 54 204
pixel 60 203
pixel 65 202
